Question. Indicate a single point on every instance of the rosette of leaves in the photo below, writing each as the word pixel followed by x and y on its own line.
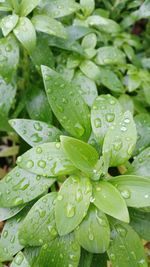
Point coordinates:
pixel 67 201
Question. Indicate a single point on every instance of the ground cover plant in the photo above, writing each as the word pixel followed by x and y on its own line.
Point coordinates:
pixel 74 133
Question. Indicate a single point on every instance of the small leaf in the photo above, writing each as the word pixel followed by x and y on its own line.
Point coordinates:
pixel 25 33
pixel 20 260
pixel 91 70
pixel 41 216
pixel 87 6
pixel 72 207
pixel 89 41
pixel 142 122
pixel 35 132
pixel 140 221
pixel 87 88
pixel 82 155
pixel 134 189
pixel 103 24
pixel 141 164
pixel 126 249
pixel 7 213
pixel 90 232
pixel 58 8
pixel 108 199
pixel 67 104
pixel 48 160
pixel 109 55
pixel 9 243
pixel 63 251
pixel 109 79
pixel 8 23
pixel 38 106
pixel 49 25
pixel 104 113
pixel 19 187
pixel 120 140
pixel 27 6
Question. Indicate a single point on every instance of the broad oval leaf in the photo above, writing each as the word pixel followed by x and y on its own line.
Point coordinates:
pixel 35 132
pixel 7 213
pixel 109 200
pixel 103 24
pixel 142 122
pixel 72 203
pixel 58 8
pixel 91 70
pixel 9 57
pixel 110 79
pixel 82 155
pixel 126 249
pixel 19 187
pixel 42 217
pixel 134 189
pixel 120 140
pixel 9 242
pixel 49 25
pixel 104 113
pixel 140 221
pixel 27 6
pixel 63 251
pixel 93 234
pixel 67 104
pixel 8 23
pixel 20 260
pixel 87 88
pixel 7 96
pixel 38 106
pixel 141 164
pixel 109 55
pixel 48 159
pixel 25 33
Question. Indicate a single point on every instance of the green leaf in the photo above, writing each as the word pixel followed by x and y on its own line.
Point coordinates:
pixel 25 33
pixel 63 251
pixel 7 213
pixel 67 104
pixel 49 25
pixel 99 260
pixel 90 231
pixel 142 122
pixel 126 249
pixel 19 187
pixel 103 24
pixel 81 154
pixel 85 259
pixel 120 140
pixel 42 55
pixel 140 221
pixel 20 260
pixel 41 216
pixel 127 103
pixel 108 199
pixel 104 113
pixel 9 57
pixel 89 41
pixel 134 189
pixel 87 88
pixel 141 164
pixel 144 10
pixel 7 95
pixel 58 8
pixel 110 80
pixel 71 208
pixel 31 254
pixel 109 55
pixel 8 23
pixel 47 159
pixel 35 132
pixel 38 106
pixel 87 6
pixel 9 242
pixel 91 70
pixel 27 6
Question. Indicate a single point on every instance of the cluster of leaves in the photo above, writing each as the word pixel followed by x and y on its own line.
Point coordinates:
pixel 75 86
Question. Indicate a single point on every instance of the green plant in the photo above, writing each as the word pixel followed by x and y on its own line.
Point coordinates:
pixel 81 195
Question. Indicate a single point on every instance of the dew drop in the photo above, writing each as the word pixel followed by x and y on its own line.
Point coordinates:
pixel 37 126
pixel 5 233
pixel 79 129
pixel 121 230
pixel 125 193
pixel 29 164
pixel 146 196
pixel 79 195
pixel 60 197
pixel 19 259
pixel 36 138
pixel 123 129
pixel 18 201
pixel 42 164
pixel 70 210
pixel 110 117
pixel 117 145
pixel 57 145
pixel 127 120
pixel 39 150
pixel 97 123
